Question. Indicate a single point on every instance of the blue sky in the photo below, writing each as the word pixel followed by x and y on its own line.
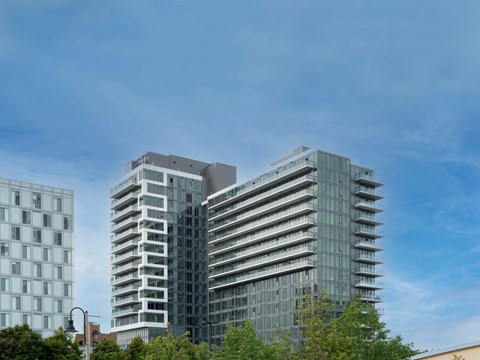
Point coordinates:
pixel 394 85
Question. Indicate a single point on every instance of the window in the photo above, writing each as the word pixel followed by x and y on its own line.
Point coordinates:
pixel 26 217
pixel 66 256
pixel 66 290
pixel 26 319
pixel 37 304
pixel 59 304
pixel 16 303
pixel 47 254
pixel 57 238
pixel 47 220
pixel 4 249
pixel 26 286
pixel 58 272
pixel 37 236
pixel 66 223
pixel 46 322
pixel 4 319
pixel 37 200
pixel 15 232
pixel 16 197
pixel 57 204
pixel 15 267
pixel 37 270
pixel 3 214
pixel 25 252
pixel 4 284
pixel 47 288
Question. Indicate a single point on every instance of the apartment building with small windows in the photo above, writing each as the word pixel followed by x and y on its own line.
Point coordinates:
pixel 36 256
pixel 309 224
pixel 159 245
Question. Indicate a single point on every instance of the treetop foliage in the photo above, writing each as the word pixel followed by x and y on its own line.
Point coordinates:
pixel 356 334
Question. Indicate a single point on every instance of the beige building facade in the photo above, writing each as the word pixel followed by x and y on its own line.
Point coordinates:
pixel 470 351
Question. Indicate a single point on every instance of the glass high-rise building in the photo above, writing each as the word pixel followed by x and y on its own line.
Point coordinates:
pixel 36 256
pixel 159 246
pixel 307 225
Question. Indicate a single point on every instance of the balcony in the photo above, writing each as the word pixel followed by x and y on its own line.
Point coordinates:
pixel 291 226
pixel 126 289
pixel 133 243
pixel 368 258
pixel 368 180
pixel 127 300
pixel 125 311
pixel 365 244
pixel 261 210
pixel 119 280
pixel 116 204
pixel 369 232
pixel 368 193
pixel 371 298
pixel 258 275
pixel 125 257
pixel 262 197
pixel 292 212
pixel 120 215
pixel 117 270
pixel 116 238
pixel 253 186
pixel 262 262
pixel 368 271
pixel 371 285
pixel 270 246
pixel 369 219
pixel 125 224
pixel 368 205
pixel 123 187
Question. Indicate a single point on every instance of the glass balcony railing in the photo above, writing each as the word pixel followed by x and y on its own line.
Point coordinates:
pixel 261 210
pixel 123 186
pixel 290 226
pixel 227 211
pixel 286 255
pixel 367 179
pixel 262 274
pixel 273 245
pixel 264 222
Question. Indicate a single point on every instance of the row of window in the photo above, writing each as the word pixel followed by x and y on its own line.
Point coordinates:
pixel 46 253
pixel 36 200
pixel 36 235
pixel 37 270
pixel 27 218
pixel 27 319
pixel 26 287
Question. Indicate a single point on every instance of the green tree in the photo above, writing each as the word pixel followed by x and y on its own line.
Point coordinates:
pixel 241 343
pixel 107 350
pixel 21 343
pixel 62 347
pixel 203 351
pixel 136 350
pixel 356 334
pixel 171 348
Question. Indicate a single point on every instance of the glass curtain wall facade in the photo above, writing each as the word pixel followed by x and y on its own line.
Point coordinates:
pixel 36 256
pixel 307 225
pixel 158 246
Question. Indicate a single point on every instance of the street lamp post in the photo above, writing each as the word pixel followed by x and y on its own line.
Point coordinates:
pixel 71 329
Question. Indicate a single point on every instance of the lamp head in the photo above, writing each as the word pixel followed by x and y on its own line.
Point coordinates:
pixel 70 328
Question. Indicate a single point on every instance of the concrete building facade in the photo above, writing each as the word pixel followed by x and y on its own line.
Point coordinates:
pixel 307 225
pixel 158 245
pixel 36 256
